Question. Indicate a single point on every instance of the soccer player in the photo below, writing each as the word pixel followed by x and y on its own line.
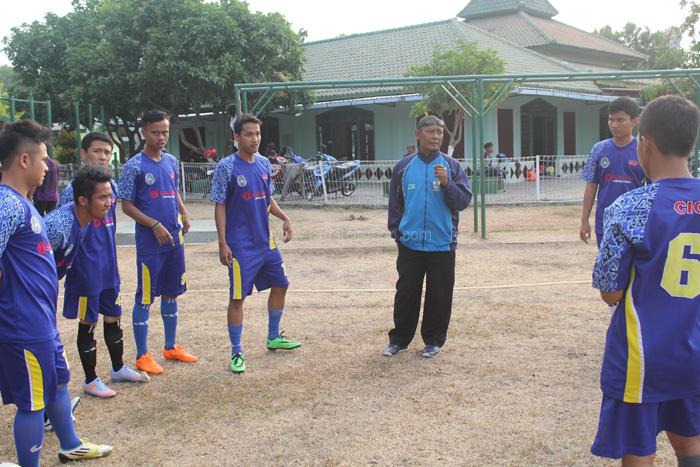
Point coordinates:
pixel 648 267
pixel 148 188
pixel 92 283
pixel 34 374
pixel 241 189
pixel 612 168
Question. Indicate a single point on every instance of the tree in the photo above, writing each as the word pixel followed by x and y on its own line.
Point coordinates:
pixel 662 48
pixel 179 56
pixel 465 59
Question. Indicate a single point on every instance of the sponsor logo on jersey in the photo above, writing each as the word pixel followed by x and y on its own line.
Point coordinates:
pixel 411 186
pixel 633 162
pixel 150 179
pixel 172 176
pixel 611 177
pixel 154 193
pixel 248 195
pixel 605 162
pixel 265 177
pixel 36 225
pixel 241 180
pixel 42 248
pixel 687 208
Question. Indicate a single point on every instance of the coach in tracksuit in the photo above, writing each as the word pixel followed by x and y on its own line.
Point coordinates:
pixel 428 189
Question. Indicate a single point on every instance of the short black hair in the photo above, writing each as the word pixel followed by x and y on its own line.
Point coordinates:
pixel 488 145
pixel 15 137
pixel 626 105
pixel 672 122
pixel 153 116
pixel 242 120
pixel 87 178
pixel 95 136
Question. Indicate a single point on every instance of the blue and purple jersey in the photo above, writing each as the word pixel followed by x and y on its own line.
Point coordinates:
pixel 29 284
pixel 95 265
pixel 65 235
pixel 651 250
pixel 245 188
pixel 152 186
pixel 615 170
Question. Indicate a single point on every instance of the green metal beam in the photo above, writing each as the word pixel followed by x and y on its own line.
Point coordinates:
pixel 475 198
pixel 467 79
pixel 254 109
pixel 501 91
pixel 456 94
pixel 264 104
pixel 482 176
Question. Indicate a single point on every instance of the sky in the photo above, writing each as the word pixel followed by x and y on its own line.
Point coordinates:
pixel 323 19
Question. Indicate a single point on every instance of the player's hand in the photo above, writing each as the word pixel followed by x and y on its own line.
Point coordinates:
pixel 441 174
pixel 585 232
pixel 185 222
pixel 287 231
pixel 225 255
pixel 163 236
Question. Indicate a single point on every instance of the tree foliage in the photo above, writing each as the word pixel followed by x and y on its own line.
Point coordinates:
pixel 465 59
pixel 180 56
pixel 662 48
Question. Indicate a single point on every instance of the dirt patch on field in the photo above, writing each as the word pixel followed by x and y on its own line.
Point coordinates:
pixel 516 384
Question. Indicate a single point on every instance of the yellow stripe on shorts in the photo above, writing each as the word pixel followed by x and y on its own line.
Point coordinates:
pixel 634 383
pixel 36 380
pixel 82 307
pixel 237 286
pixel 145 285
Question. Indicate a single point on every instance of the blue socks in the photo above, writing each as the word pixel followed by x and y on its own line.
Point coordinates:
pixel 29 436
pixel 273 324
pixel 140 321
pixel 168 310
pixel 234 333
pixel 59 413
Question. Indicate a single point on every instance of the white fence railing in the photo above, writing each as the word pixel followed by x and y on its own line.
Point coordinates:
pixel 538 179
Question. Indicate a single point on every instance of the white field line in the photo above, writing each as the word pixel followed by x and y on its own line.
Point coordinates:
pixel 475 287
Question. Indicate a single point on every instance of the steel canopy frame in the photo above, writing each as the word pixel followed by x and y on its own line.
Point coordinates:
pixel 476 108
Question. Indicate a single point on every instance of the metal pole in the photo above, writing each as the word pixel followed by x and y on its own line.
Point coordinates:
pixel 475 197
pixel 49 117
pixel 482 178
pixel 323 182
pixel 76 110
pixel 32 110
pixel 537 177
pixel 13 111
pixel 91 120
pixel 237 97
pixel 245 103
pixel 182 176
pixel 103 122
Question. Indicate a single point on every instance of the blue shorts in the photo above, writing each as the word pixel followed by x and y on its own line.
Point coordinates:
pixel 263 270
pixel 161 274
pixel 632 429
pixel 31 373
pixel 89 308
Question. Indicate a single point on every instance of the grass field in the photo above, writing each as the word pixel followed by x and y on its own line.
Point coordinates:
pixel 516 384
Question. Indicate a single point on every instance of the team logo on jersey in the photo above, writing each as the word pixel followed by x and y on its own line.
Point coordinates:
pixel 36 225
pixel 633 163
pixel 241 180
pixel 265 177
pixel 150 179
pixel 605 162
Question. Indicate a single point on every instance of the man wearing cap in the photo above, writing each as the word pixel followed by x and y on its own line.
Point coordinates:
pixel 428 189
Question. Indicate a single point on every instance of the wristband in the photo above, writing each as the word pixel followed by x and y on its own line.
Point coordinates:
pixel 158 224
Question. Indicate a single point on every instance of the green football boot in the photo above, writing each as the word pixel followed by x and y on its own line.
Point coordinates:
pixel 237 363
pixel 282 343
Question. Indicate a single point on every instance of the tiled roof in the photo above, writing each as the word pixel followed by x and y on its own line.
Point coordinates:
pixel 564 34
pixel 483 8
pixel 532 31
pixel 390 53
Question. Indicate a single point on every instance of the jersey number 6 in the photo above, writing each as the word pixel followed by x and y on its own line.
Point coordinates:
pixel 681 274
